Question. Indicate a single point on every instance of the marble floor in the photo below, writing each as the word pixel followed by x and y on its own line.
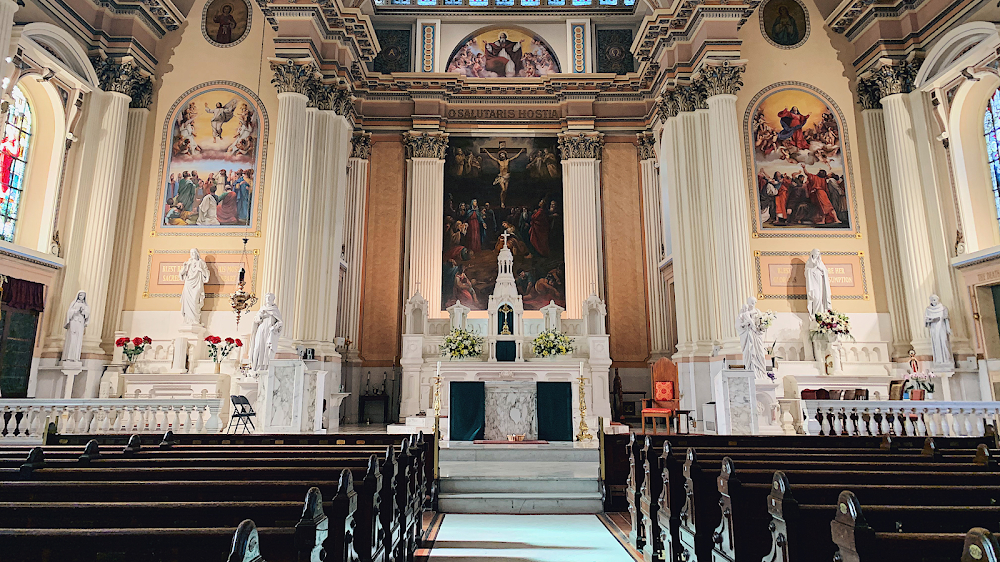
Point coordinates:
pixel 526 538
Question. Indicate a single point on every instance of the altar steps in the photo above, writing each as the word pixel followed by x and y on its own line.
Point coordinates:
pixel 557 478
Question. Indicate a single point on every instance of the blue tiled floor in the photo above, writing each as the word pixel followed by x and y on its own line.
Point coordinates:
pixel 526 538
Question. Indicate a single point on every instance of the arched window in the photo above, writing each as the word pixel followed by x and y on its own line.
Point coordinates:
pixel 13 160
pixel 991 128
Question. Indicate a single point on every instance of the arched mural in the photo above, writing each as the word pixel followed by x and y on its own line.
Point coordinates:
pixel 213 161
pixel 503 52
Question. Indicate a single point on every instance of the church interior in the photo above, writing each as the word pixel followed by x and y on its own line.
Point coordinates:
pixel 503 280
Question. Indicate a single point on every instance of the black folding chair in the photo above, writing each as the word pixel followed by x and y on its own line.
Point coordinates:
pixel 242 413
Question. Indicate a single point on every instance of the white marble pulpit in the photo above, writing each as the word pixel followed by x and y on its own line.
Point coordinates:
pixel 291 398
pixel 735 408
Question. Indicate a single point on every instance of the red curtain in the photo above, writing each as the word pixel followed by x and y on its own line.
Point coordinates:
pixel 24 295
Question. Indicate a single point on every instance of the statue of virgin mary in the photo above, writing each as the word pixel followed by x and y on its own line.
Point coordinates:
pixel 77 318
pixel 266 329
pixel 817 285
pixel 751 338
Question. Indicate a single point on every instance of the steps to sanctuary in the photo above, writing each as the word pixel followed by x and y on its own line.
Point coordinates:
pixel 555 478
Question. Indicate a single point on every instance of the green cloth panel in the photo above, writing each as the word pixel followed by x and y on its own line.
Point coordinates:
pixel 555 411
pixel 506 350
pixel 468 411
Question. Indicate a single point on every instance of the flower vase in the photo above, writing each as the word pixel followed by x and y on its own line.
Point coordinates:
pixel 129 366
pixel 218 367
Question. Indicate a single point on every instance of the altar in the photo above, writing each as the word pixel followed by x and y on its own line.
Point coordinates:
pixel 493 410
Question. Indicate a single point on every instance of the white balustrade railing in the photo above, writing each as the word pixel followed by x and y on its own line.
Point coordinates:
pixel 899 417
pixel 26 419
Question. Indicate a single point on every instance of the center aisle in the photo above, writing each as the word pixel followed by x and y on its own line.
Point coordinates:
pixel 526 538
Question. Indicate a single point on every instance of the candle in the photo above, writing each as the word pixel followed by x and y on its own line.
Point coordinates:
pixel 439 370
pixel 243 273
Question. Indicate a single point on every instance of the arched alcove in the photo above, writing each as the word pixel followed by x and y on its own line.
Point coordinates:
pixel 472 55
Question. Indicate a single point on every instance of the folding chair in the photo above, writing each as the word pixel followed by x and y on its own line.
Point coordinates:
pixel 242 413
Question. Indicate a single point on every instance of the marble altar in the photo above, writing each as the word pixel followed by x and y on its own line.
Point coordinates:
pixel 511 409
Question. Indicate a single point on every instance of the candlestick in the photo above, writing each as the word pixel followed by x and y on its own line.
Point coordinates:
pixel 584 431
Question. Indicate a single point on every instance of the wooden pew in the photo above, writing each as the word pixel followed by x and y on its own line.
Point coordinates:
pixel 652 487
pixel 633 492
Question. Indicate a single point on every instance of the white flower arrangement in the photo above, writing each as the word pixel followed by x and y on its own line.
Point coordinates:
pixel 832 322
pixel 765 320
pixel 551 342
pixel 459 344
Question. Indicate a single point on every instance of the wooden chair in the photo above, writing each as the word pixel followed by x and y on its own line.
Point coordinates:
pixel 666 398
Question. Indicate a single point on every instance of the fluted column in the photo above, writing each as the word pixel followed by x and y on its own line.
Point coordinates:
pixel 425 152
pixel 7 10
pixel 721 81
pixel 581 164
pixel 354 238
pixel 310 215
pixel 135 136
pixel 652 223
pixel 339 126
pixel 673 196
pixel 280 260
pixel 885 213
pixel 89 260
pixel 894 82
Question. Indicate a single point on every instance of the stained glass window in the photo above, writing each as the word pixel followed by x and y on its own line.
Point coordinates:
pixel 991 128
pixel 14 154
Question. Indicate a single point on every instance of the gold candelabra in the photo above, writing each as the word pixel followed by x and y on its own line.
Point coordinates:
pixel 584 434
pixel 437 402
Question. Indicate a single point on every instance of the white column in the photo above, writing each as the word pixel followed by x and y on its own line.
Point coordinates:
pixel 135 134
pixel 7 10
pixel 339 131
pixel 425 191
pixel 89 263
pixel 581 164
pixel 354 237
pixel 653 239
pixel 907 197
pixel 728 183
pixel 878 162
pixel 310 215
pixel 280 259
pixel 671 183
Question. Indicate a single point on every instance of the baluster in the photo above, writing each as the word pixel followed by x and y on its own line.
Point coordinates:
pixel 199 420
pixel 184 420
pixel 897 422
pixel 921 425
pixel 108 415
pixel 29 420
pixel 954 424
pixel 907 423
pixel 878 417
pixel 835 425
pixel 18 421
pixel 855 420
pixel 95 420
pixel 125 420
pixel 830 422
pixel 214 424
pixel 968 422
pixel 83 424
pixel 980 424
pixel 819 419
pixel 932 425
pixel 866 419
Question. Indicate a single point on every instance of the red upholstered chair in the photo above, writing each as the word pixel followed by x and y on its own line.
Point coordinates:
pixel 666 398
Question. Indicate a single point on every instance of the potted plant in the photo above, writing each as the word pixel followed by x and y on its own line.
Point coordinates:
pixel 218 351
pixel 132 348
pixel 461 344
pixel 550 343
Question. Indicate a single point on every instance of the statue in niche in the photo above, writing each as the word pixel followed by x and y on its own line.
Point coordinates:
pixel 266 329
pixel 748 326
pixel 817 285
pixel 194 274
pixel 77 318
pixel 937 323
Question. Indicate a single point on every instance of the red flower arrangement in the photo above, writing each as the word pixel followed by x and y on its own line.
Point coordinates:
pixel 219 352
pixel 134 347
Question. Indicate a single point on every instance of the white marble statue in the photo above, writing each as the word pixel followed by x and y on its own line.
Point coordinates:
pixel 77 318
pixel 939 326
pixel 817 285
pixel 751 338
pixel 194 273
pixel 267 327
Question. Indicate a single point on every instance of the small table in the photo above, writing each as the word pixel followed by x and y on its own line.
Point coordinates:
pixel 366 398
pixel 687 421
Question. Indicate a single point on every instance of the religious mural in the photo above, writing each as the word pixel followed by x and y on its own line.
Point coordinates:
pixel 798 158
pixel 226 22
pixel 784 23
pixel 503 52
pixel 499 185
pixel 214 161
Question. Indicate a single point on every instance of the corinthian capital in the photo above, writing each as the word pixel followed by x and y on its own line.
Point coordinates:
pixel 116 75
pixel 425 144
pixel 722 77
pixel 646 143
pixel 292 75
pixel 342 102
pixel 581 145
pixel 869 95
pixel 142 93
pixel 318 93
pixel 895 78
pixel 667 106
pixel 361 145
pixel 692 96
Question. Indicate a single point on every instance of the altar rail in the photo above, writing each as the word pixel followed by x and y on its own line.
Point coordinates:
pixel 26 419
pixel 899 417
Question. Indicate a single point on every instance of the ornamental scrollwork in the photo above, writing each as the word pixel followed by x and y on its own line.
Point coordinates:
pixel 142 93
pixel 895 79
pixel 691 97
pixel 667 106
pixel 724 78
pixel 425 145
pixel 116 75
pixel 581 145
pixel 869 94
pixel 361 145
pixel 292 76
pixel 318 93
pixel 341 102
pixel 646 143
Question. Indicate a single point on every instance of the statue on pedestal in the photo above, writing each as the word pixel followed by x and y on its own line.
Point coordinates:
pixel 194 274
pixel 817 285
pixel 939 326
pixel 77 318
pixel 266 329
pixel 751 333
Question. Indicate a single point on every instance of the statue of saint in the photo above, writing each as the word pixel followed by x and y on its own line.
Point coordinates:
pixel 77 318
pixel 939 326
pixel 817 285
pixel 194 273
pixel 751 338
pixel 266 329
